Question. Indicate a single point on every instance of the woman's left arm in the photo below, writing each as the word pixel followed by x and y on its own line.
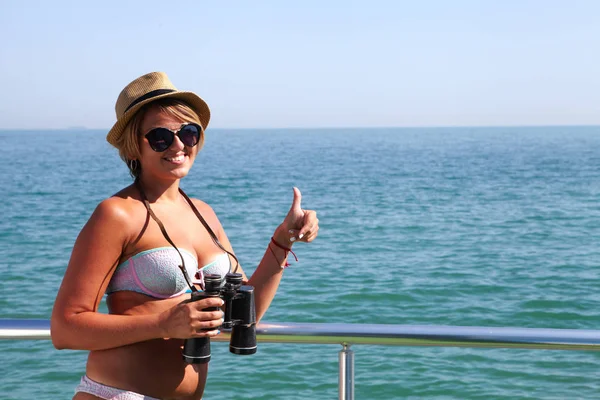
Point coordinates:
pixel 298 226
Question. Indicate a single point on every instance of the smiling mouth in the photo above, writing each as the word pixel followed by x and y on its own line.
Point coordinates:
pixel 176 159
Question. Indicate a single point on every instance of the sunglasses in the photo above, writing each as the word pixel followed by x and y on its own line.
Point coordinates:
pixel 160 139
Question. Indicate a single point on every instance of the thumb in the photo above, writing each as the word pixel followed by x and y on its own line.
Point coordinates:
pixel 297 200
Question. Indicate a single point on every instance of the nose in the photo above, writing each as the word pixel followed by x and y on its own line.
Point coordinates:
pixel 177 144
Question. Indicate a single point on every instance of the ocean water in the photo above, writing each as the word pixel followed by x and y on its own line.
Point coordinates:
pixel 461 226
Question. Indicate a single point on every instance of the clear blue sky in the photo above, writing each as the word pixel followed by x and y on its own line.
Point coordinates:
pixel 307 63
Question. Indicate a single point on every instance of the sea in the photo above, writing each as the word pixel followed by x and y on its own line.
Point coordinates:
pixel 456 226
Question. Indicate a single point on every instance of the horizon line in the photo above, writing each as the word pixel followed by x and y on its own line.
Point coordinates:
pixel 83 128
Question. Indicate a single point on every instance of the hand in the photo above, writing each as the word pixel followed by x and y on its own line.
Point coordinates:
pixel 299 225
pixel 187 320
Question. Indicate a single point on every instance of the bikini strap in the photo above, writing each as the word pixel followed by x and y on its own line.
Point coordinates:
pixel 166 235
pixel 208 228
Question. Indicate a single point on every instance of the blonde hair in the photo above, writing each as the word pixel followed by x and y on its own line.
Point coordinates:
pixel 129 142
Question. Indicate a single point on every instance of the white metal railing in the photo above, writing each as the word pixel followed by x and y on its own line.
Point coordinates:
pixel 388 335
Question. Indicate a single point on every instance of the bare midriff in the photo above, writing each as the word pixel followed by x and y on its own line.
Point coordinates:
pixel 154 368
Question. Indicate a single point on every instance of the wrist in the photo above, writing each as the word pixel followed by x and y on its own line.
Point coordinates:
pixel 286 248
pixel 282 237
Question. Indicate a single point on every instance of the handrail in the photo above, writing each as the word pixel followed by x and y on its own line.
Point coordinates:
pixel 388 335
pixel 377 334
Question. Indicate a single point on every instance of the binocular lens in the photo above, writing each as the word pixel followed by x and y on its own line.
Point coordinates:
pixel 243 340
pixel 196 351
pixel 212 283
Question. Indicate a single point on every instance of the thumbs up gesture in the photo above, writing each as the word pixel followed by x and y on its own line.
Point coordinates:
pixel 299 225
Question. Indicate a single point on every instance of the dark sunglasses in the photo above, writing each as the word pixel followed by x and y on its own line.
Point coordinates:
pixel 160 139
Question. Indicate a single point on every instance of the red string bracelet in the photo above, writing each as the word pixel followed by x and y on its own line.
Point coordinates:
pixel 286 249
pixel 277 259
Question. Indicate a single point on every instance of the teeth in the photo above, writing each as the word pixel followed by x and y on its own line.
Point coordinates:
pixel 178 158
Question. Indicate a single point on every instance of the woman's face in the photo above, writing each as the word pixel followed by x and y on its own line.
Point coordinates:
pixel 173 163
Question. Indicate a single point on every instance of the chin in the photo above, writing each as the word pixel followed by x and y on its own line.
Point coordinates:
pixel 176 173
pixel 179 173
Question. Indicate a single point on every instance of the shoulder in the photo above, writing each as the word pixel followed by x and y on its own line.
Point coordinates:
pixel 112 209
pixel 111 225
pixel 118 209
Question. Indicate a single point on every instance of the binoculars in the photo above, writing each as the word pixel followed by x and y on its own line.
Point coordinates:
pixel 240 317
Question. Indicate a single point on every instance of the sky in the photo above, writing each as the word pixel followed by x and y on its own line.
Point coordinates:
pixel 284 64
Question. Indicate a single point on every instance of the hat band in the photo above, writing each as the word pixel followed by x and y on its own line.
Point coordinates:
pixel 147 96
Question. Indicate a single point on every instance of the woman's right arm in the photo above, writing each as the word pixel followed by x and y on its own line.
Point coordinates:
pixel 75 322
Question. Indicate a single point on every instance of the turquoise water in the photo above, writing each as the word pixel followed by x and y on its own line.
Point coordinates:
pixel 463 226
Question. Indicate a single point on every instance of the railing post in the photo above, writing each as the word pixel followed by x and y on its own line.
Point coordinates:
pixel 346 378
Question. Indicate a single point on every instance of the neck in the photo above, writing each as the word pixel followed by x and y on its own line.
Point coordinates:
pixel 158 190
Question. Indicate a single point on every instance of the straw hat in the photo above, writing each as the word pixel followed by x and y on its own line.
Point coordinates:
pixel 148 88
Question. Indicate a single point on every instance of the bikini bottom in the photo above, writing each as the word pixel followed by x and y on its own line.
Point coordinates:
pixel 108 392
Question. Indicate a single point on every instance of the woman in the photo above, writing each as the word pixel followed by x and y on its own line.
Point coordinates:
pixel 143 247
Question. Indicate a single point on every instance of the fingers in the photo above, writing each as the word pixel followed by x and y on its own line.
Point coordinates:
pixel 311 227
pixel 206 323
pixel 207 303
pixel 207 328
pixel 209 334
pixel 312 235
pixel 293 235
pixel 209 315
pixel 296 203
pixel 192 319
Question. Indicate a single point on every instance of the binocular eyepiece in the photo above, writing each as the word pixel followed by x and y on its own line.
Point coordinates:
pixel 240 317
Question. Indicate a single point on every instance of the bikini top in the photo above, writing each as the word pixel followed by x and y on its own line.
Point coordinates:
pixel 156 272
pixel 166 272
